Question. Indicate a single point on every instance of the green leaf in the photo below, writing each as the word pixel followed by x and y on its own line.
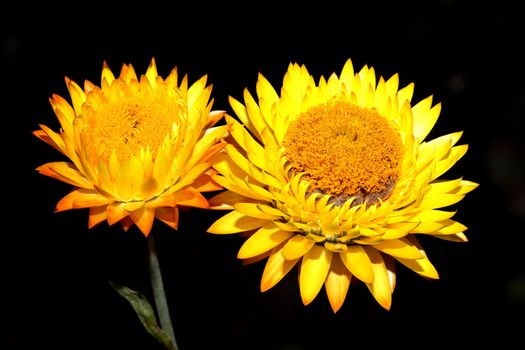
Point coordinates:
pixel 145 313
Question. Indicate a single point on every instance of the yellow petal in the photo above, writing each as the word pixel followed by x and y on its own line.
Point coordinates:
pixel 196 90
pixel 314 269
pixel 189 198
pixel 207 146
pixel 260 211
pixel 152 74
pixel 51 138
pixel 440 187
pixel 255 151
pixel 432 215
pixel 266 238
pixel 65 172
pixel 455 154
pixel 227 182
pixel 440 201
pixel 82 198
pixel 390 265
pixel 234 222
pixel 205 183
pixel 276 268
pixel 169 216
pixel 401 248
pixel 405 94
pixel 422 266
pixel 189 177
pixel 214 117
pixel 425 117
pixel 242 114
pixel 347 75
pixel 398 230
pixel 96 215
pixel 465 187
pixel 132 206
pixel 226 200
pixel 257 258
pixel 107 74
pixel 143 218
pixel 427 227
pixel 457 237
pixel 337 283
pixel 78 97
pixel 380 288
pixel 451 227
pixel 116 212
pixel 254 113
pixel 128 74
pixel 358 263
pixel 296 247
pixel 392 84
pixel 64 113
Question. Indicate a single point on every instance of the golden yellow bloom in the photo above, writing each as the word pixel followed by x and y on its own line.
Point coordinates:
pixel 139 148
pixel 336 177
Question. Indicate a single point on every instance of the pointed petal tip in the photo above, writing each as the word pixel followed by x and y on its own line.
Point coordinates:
pixel 306 299
pixel 265 286
pixel 336 308
pixel 217 112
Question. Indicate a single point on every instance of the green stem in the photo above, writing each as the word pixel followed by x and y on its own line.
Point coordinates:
pixel 158 290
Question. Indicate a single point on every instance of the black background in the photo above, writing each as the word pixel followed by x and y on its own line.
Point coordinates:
pixel 54 271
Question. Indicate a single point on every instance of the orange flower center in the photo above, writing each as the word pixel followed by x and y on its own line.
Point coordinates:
pixel 126 125
pixel 346 151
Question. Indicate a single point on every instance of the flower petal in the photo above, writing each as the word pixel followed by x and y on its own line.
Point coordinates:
pixel 226 199
pixel 296 247
pixel 260 211
pixel 455 154
pixel 264 239
pixel 82 198
pixel 96 215
pixel 451 227
pixel 422 266
pixel 65 172
pixel 78 97
pixel 337 283
pixel 380 288
pixel 190 198
pixel 205 183
pixel 257 258
pixel 401 248
pixel 107 74
pixel 314 269
pixel 51 138
pixel 390 265
pixel 276 268
pixel 440 201
pixel 169 216
pixel 457 237
pixel 143 218
pixel 234 222
pixel 115 212
pixel 358 263
pixel 425 117
pixel 432 215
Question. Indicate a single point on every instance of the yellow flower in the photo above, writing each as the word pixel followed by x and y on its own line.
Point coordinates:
pixel 336 177
pixel 139 148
